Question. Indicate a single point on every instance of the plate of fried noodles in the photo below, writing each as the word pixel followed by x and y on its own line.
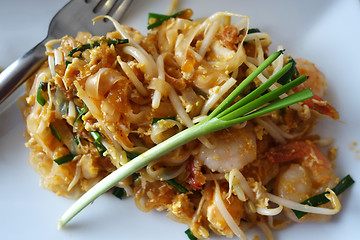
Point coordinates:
pixel 146 105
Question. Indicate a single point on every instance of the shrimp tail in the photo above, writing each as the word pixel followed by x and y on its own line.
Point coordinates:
pixel 322 106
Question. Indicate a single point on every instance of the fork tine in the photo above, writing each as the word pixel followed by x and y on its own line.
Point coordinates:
pixel 104 7
pixel 119 8
pixel 93 3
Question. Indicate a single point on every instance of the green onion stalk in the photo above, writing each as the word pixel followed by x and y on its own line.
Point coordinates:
pixel 249 107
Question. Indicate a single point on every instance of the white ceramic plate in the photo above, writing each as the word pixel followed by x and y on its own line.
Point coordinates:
pixel 326 32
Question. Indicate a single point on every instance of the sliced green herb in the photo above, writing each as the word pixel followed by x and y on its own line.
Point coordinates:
pixel 136 176
pixel 99 146
pixel 117 41
pixel 76 140
pixel 155 120
pixel 81 112
pixel 55 133
pixel 96 44
pixel 320 199
pixel 64 159
pixel 131 155
pixel 190 235
pixel 93 45
pixel 253 30
pixel 119 192
pixel 67 63
pixel 176 185
pixel 160 18
pixel 39 96
pixel 245 111
pixel 291 73
pixel 96 135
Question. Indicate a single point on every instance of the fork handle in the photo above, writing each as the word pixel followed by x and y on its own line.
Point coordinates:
pixel 20 70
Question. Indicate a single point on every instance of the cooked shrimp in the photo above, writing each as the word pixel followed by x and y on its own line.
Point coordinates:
pixel 235 148
pixel 316 79
pixel 309 173
pixel 322 106
pixel 317 83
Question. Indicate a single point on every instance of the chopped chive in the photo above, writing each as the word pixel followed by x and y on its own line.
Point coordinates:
pixel 161 18
pixel 81 112
pixel 117 41
pixel 253 30
pixel 39 96
pixel 320 199
pixel 83 48
pixel 92 45
pixel 96 135
pixel 64 159
pixel 131 155
pixel 100 148
pixel 98 145
pixel 55 133
pixel 96 44
pixel 190 235
pixel 155 120
pixel 136 176
pixel 290 74
pixel 119 192
pixel 76 140
pixel 176 185
pixel 67 63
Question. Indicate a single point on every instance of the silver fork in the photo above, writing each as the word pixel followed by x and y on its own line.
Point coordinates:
pixel 75 16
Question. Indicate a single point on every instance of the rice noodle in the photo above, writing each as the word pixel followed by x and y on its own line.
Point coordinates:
pixel 208 38
pixel 58 57
pixel 183 44
pixel 117 150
